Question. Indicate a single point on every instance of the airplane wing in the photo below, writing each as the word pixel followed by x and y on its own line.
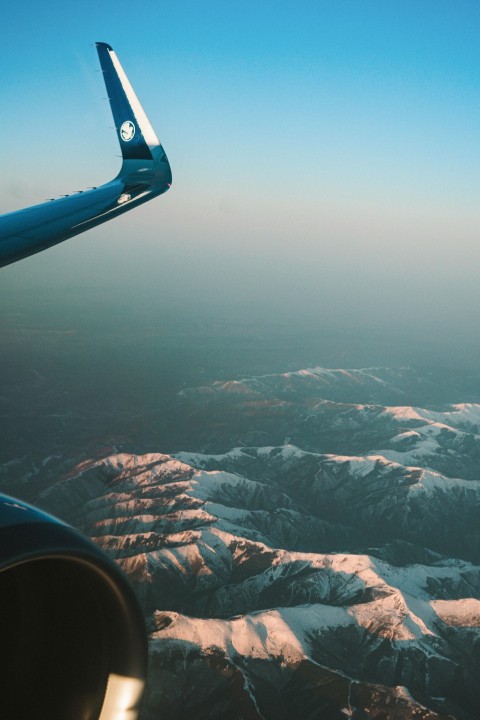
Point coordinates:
pixel 145 173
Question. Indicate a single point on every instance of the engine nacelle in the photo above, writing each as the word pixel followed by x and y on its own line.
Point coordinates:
pixel 73 641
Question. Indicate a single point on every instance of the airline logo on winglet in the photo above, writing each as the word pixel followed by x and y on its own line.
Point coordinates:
pixel 127 131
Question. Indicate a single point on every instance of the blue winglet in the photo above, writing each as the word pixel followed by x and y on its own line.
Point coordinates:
pixel 135 134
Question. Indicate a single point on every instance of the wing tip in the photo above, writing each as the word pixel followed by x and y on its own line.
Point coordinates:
pixel 105 45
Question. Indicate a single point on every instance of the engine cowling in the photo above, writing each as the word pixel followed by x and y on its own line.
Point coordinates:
pixel 73 641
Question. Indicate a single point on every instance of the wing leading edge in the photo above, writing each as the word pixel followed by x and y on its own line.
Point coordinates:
pixel 145 173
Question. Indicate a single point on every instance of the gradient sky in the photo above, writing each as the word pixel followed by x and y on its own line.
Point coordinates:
pixel 325 154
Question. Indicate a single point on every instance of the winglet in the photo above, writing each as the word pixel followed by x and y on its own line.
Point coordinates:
pixel 135 134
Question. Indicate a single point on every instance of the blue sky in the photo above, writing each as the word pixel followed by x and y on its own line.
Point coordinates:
pixel 325 155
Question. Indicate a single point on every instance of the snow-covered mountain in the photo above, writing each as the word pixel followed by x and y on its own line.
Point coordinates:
pixel 313 552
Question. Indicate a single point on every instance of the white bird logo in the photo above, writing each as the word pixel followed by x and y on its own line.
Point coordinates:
pixel 127 131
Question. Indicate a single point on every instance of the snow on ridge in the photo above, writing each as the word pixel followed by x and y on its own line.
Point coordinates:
pixel 350 373
pixel 397 616
pixel 430 480
pixel 195 458
pixel 461 413
pixel 318 371
pixel 455 419
pixel 464 612
pixel 436 427
pixel 130 466
pixel 362 465
pixel 411 579
pixel 152 519
pixel 427 443
pixel 432 421
pixel 288 451
pixel 407 435
pixel 227 512
pixel 411 458
pixel 286 633
pixel 403 412
pixel 280 633
pixel 359 465
pixel 129 460
pixel 205 483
